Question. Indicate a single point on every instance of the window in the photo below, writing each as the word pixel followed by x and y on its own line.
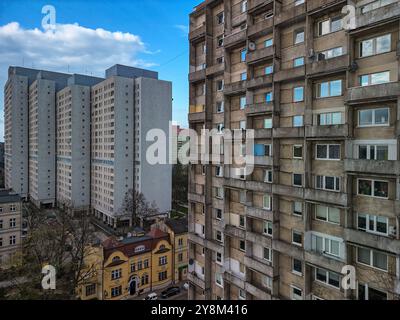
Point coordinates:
pixel 373 152
pixel 219 172
pixel 269 97
pixel 297 180
pixel 13 223
pixel 298 2
pixel 268 123
pixel 297 238
pixel 242 294
pixel 220 106
pixel 373 224
pixel 162 276
pixel 365 292
pixel 372 258
pixel 329 89
pixel 327 277
pixel 373 117
pixel 243 76
pixel 297 208
pixel 268 177
pixel 373 188
pixel 115 292
pixel 13 240
pixel 330 53
pixel 331 118
pixel 298 62
pixel 242 245
pixel 375 5
pixel 297 266
pixel 299 36
pixel 218 214
pixel 220 85
pixel 298 94
pixel 1 224
pixel 326 245
pixel 375 46
pixel 220 18
pixel 219 192
pixel 144 280
pixel 220 127
pixel 267 254
pixel 268 43
pixel 297 293
pixel 116 274
pixel 219 281
pixel 133 267
pixel 328 183
pixel 374 78
pixel 162 261
pixel 243 102
pixel 269 70
pixel 220 41
pixel 328 214
pixel 218 258
pixel 297 151
pixel 329 26
pixel 267 282
pixel 90 290
pixel 267 202
pixel 243 54
pixel 328 152
pixel 297 121
pixel 242 125
pixel 242 222
pixel 218 236
pixel 267 230
pixel 243 6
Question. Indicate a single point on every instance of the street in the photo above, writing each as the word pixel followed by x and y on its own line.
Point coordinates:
pixel 183 295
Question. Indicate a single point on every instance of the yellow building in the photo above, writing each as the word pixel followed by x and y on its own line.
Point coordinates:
pixel 129 267
pixel 178 231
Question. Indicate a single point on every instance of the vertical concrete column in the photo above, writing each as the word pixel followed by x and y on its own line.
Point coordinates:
pixel 308 153
pixel 307 216
pixel 208 273
pixel 307 281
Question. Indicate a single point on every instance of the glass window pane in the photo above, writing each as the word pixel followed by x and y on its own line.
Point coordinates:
pixel 364 80
pixel 334 248
pixel 381 189
pixel 299 62
pixel 337 118
pixel 321 213
pixel 362 222
pixel 321 275
pixel 334 279
pixel 322 151
pixel 365 117
pixel 383 44
pixel 319 244
pixel 299 37
pixel 298 94
pixel 364 256
pixel 376 294
pixel 336 88
pixel 380 260
pixel 367 48
pixel 365 187
pixel 336 24
pixel 267 123
pixel 362 152
pixel 330 183
pixel 323 27
pixel 382 116
pixel 324 90
pixel 334 215
pixel 298 121
pixel 269 70
pixel 334 152
pixel 382 153
pixel 382 77
pixel 381 225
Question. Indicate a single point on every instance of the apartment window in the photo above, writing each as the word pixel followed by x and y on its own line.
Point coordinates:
pixel 13 223
pixel 116 274
pixel 268 43
pixel 162 276
pixel 373 152
pixel 267 229
pixel 219 192
pixel 218 236
pixel 218 258
pixel 243 102
pixel 375 46
pixel 373 117
pixel 243 6
pixel 297 180
pixel 375 5
pixel 372 258
pixel 326 245
pixel 297 208
pixel 327 214
pixel 1 242
pixel 269 70
pixel 1 224
pixel 243 76
pixel 203 170
pixel 267 254
pixel 219 171
pixel 220 106
pixel 330 53
pixel 268 123
pixel 220 41
pixel 12 208
pixel 242 125
pixel 298 62
pixel 297 152
pixel 261 150
pixel 242 294
pixel 13 240
pixel 328 151
pixel 329 26
pixel 299 36
pixel 331 118
pixel 374 78
pixel 298 2
pixel 297 293
pixel 297 267
pixel 297 121
pixel 220 128
pixel 329 89
pixel 373 224
pixel 365 292
pixel 327 277
pixel 220 18
pixel 268 177
pixel 90 290
pixel 267 202
pixel 162 261
pixel 219 281
pixel 220 85
pixel 218 214
pixel 267 282
pixel 328 183
pixel 243 54
pixel 242 222
pixel 115 292
pixel 373 188
pixel 242 245
pixel 269 97
pixel 297 238
pixel 298 94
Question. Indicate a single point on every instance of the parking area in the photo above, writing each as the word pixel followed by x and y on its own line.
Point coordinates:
pixel 183 295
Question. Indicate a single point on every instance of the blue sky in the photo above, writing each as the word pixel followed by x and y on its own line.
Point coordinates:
pixel 145 33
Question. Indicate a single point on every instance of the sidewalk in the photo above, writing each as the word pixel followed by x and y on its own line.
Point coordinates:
pixel 182 296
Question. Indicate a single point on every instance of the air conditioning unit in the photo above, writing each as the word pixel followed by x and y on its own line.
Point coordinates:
pixel 353 66
pixel 392 231
pixel 252 46
pixel 311 54
pixel 321 56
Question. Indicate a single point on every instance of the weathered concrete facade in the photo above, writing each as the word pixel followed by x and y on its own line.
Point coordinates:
pixel 323 100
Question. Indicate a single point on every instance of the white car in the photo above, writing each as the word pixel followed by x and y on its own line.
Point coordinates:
pixel 151 296
pixel 186 286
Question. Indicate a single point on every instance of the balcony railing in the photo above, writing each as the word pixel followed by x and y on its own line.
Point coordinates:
pixel 260 28
pixel 340 130
pixel 289 132
pixel 378 92
pixel 327 66
pixel 259 108
pixel 317 5
pixel 337 198
pixel 380 14
pixel 235 87
pixel 259 213
pixel 234 39
pixel 198 75
pixel 193 278
pixel 372 166
pixel 290 13
pixel 260 82
pixel 260 54
pixel 289 74
pixel 198 32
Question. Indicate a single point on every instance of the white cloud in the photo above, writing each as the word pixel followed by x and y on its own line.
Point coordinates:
pixel 183 28
pixel 70 47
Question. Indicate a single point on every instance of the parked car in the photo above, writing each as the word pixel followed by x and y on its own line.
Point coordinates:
pixel 151 296
pixel 186 286
pixel 172 291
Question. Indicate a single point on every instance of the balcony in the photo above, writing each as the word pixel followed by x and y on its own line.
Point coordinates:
pixel 259 213
pixel 371 240
pixel 198 33
pixel 337 198
pixel 234 183
pixel 290 14
pixel 235 88
pixel 259 266
pixel 193 278
pixel 258 186
pixel 290 74
pixel 262 133
pixel 256 292
pixel 283 190
pixel 372 166
pixel 391 11
pixel 234 279
pixel 235 232
pixel 235 39
pixel 289 132
pixel 260 28
pixel 263 161
pixel 215 69
pixel 197 76
pixel 323 261
pixel 259 239
pixel 260 55
pixel 328 66
pixel 255 5
pixel 193 237
pixel 288 249
pixel 314 6
pixel 194 197
pixel 260 82
pixel 378 92
pixel 340 130
pixel 197 117
pixel 259 108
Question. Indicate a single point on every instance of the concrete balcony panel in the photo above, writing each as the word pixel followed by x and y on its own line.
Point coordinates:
pixel 258 186
pixel 328 66
pixel 259 108
pixel 196 76
pixel 255 5
pixel 290 14
pixel 259 213
pixel 288 249
pixel 214 246
pixel 259 239
pixel 260 55
pixel 235 280
pixel 372 240
pixel 333 131
pixel 234 183
pixel 290 74
pixel 215 69
pixel 263 161
pixel 194 197
pixel 198 33
pixel 196 280
pixel 337 198
pixel 235 39
pixel 289 132
pixel 378 92
pixel 323 261
pixel 197 117
pixel 235 88
pixel 314 6
pixel 386 13
pixel 238 20
pixel 372 166
pixel 262 133
pixel 259 266
pixel 196 239
pixel 260 28
pixel 256 292
pixel 283 190
pixel 235 232
pixel 260 82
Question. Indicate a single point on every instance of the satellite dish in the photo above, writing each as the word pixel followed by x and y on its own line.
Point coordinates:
pixel 252 46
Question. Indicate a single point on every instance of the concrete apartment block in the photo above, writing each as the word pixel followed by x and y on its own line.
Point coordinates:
pixel 324 105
